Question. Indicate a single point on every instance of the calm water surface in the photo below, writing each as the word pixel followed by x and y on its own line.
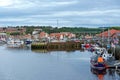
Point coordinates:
pixel 24 64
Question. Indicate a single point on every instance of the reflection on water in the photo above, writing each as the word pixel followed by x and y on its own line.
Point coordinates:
pixel 108 74
pixel 24 64
pixel 48 51
pixel 114 74
pixel 99 73
pixel 40 51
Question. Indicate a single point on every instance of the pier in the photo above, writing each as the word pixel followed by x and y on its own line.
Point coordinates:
pixel 57 46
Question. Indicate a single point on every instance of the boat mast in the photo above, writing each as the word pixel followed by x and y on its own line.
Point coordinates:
pixel 108 37
pixel 103 36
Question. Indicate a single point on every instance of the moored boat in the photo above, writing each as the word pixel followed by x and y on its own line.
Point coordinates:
pixel 14 43
pixel 28 41
pixel 96 65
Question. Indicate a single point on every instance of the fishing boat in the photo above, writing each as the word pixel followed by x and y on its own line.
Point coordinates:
pixel 94 59
pixel 95 64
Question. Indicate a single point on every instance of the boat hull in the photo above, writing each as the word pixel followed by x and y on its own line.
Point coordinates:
pixel 98 66
pixel 96 71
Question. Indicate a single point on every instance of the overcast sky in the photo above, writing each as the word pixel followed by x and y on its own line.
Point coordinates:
pixel 92 13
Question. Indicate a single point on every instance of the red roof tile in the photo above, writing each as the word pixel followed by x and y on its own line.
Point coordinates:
pixel 111 32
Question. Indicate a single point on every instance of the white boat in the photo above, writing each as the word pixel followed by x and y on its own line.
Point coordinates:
pixel 98 50
pixel 103 52
pixel 14 43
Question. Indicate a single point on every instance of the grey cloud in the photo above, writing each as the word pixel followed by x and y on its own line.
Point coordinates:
pixel 68 12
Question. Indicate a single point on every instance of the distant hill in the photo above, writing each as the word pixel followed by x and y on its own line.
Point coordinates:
pixel 50 29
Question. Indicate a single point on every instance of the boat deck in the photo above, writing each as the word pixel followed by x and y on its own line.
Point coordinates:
pixel 112 63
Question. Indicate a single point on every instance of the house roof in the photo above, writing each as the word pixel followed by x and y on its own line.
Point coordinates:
pixel 110 33
pixel 42 34
pixel 55 34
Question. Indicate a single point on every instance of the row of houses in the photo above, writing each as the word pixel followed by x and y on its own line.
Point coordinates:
pixel 110 33
pixel 54 36
pixel 38 34
pixel 110 36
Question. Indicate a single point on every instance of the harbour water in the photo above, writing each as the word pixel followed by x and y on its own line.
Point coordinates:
pixel 24 64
